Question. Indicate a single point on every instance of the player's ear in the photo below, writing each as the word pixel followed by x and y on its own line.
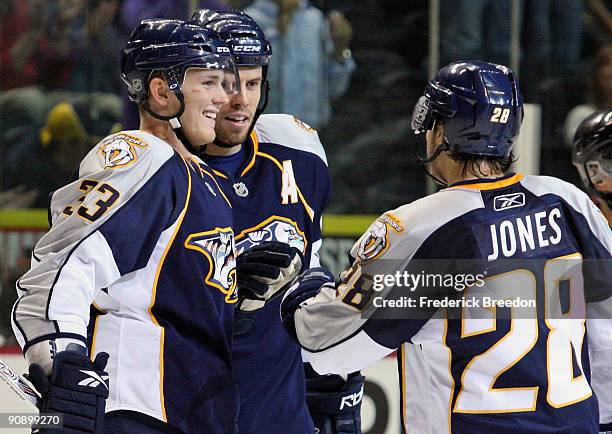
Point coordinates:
pixel 438 132
pixel 159 93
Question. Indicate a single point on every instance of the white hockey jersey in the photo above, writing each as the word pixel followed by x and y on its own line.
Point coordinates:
pixel 144 238
pixel 471 367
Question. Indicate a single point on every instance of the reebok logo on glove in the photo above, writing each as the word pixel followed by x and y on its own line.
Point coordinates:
pixel 93 379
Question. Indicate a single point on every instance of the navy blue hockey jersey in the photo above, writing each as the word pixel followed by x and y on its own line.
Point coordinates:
pixel 537 243
pixel 147 237
pixel 279 194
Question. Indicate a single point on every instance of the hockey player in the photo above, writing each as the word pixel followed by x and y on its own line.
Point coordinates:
pixel 275 172
pixel 474 368
pixel 144 236
pixel 593 158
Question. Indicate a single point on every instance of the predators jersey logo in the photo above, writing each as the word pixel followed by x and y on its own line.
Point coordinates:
pixel 218 248
pixel 376 241
pixel 275 228
pixel 118 150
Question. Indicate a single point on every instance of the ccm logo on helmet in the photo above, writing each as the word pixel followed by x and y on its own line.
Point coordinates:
pixel 247 49
pixel 223 50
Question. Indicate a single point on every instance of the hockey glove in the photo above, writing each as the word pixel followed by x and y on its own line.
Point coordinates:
pixel 263 271
pixel 77 388
pixel 305 286
pixel 335 404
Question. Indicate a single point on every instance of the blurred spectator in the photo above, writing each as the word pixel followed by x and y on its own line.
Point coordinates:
pixel 552 38
pixel 475 29
pixel 87 27
pixel 42 155
pixel 133 12
pixel 312 63
pixel 599 96
pixel 28 56
pixel 600 12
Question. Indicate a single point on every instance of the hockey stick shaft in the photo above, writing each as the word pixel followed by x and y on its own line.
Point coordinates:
pixel 18 384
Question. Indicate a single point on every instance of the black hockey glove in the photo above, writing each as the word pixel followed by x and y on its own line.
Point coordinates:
pixel 263 271
pixel 77 388
pixel 305 286
pixel 334 403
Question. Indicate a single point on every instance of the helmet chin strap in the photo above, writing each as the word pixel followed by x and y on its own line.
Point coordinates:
pixel 174 121
pixel 425 162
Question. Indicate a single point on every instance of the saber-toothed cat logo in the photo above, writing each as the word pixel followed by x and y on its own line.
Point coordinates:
pixel 276 228
pixel 218 247
pixel 120 150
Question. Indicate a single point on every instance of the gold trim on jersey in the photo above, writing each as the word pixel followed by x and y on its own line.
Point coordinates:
pixel 402 363
pixel 154 293
pixel 450 372
pixel 492 185
pixel 255 152
pixel 94 330
pixel 220 174
pixel 202 170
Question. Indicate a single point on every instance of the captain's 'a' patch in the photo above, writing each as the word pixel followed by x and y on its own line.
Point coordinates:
pixel 120 150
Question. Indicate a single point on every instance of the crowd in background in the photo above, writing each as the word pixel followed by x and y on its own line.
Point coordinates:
pixel 353 70
pixel 60 90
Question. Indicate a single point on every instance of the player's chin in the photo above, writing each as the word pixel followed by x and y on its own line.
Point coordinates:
pixel 233 136
pixel 201 136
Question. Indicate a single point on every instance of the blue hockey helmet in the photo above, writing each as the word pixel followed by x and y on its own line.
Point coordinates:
pixel 480 104
pixel 170 46
pixel 241 33
pixel 247 42
pixel 592 153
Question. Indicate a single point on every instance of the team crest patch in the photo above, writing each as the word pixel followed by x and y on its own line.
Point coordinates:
pixel 119 150
pixel 218 248
pixel 303 125
pixel 376 241
pixel 275 228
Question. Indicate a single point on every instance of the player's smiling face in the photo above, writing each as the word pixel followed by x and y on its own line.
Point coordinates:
pixel 235 118
pixel 204 96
